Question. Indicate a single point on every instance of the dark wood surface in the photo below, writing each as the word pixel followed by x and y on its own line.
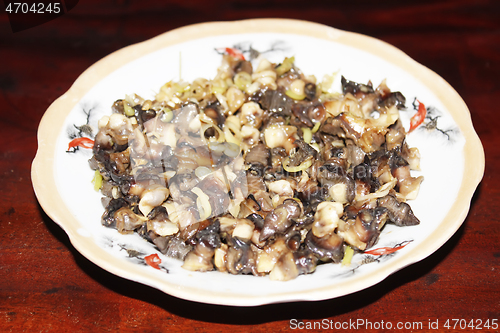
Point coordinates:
pixel 46 285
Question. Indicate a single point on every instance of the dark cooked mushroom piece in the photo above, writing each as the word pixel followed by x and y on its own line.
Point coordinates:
pixel 354 154
pixel 189 232
pixel 276 101
pixel 108 218
pixel 400 168
pixel 168 160
pixel 148 235
pixel 363 171
pixel 107 188
pixel 254 181
pixel 398 99
pixel 257 96
pixel 293 238
pixel 306 261
pixel 264 200
pixel 217 193
pixel 377 155
pixel 249 206
pixel 273 118
pixel 310 90
pixel 299 110
pixel 341 127
pixel 396 160
pixel 120 179
pixel 339 154
pixel 333 127
pixel 172 246
pixel 243 66
pixel 304 221
pixel 213 111
pixel 362 231
pixel 316 112
pixel 399 213
pixel 255 169
pixel 369 223
pixel 143 116
pixel 311 197
pixel 133 202
pixel 201 257
pixel 302 153
pixel 93 164
pixel 350 212
pixel 362 174
pixel 148 174
pixel 240 258
pixel 257 159
pixel 102 157
pixel 354 87
pixel 257 220
pixel 158 214
pixel 389 99
pixel 258 154
pixel 185 180
pixel 148 114
pixel 329 247
pixel 331 170
pixel 280 219
pixel 339 184
pixel 395 136
pixel 126 220
pixel 210 235
pixel 275 169
pixel 117 107
pixel 379 162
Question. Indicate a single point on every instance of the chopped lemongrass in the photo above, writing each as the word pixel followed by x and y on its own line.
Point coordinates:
pixel 307 134
pixel 294 96
pixel 316 127
pixel 218 87
pixel 242 80
pixel 97 180
pixel 203 203
pixel 349 252
pixel 129 111
pixel 167 115
pixel 303 166
pixel 285 66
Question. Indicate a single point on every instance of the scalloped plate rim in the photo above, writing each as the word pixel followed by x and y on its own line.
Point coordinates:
pixel 42 165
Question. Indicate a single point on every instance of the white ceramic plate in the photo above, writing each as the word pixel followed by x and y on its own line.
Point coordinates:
pixel 452 156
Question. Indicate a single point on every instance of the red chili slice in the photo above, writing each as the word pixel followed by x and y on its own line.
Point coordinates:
pixel 419 117
pixel 153 260
pixel 234 53
pixel 385 250
pixel 81 142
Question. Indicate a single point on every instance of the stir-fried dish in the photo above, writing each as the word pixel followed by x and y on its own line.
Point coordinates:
pixel 258 171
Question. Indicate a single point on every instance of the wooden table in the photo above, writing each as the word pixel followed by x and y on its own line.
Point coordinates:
pixel 46 285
